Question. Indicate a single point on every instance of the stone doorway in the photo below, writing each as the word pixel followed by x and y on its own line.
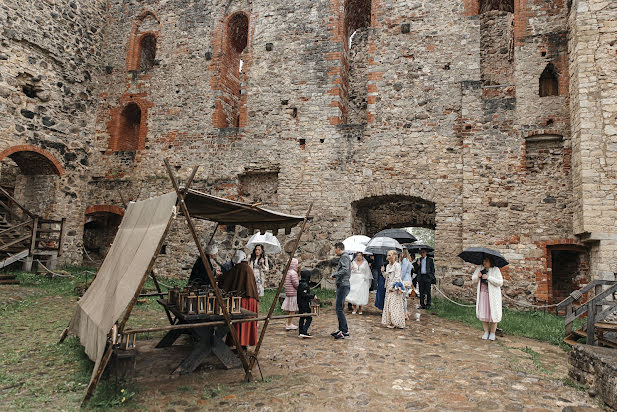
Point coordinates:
pixel 32 176
pixel 569 271
pixel 375 213
pixel 100 228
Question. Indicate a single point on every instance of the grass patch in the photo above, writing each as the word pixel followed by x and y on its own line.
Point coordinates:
pixel 535 358
pixel 542 326
pixel 569 382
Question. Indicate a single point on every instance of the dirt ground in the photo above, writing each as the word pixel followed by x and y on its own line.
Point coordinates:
pixel 433 365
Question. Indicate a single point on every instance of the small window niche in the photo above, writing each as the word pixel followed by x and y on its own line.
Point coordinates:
pixel 549 82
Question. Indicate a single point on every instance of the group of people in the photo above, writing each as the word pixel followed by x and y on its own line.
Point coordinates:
pixel 396 280
pixel 393 279
pixel 242 274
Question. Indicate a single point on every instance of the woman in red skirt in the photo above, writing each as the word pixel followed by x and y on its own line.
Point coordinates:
pixel 242 280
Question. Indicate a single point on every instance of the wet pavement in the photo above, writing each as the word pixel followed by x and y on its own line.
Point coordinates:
pixel 433 365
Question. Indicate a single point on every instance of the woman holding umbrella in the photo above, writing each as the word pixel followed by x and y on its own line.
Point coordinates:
pixel 260 265
pixel 393 315
pixel 489 280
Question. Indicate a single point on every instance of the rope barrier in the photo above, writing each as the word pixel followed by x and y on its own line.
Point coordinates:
pixel 525 304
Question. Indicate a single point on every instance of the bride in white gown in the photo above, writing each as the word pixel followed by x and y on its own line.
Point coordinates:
pixel 359 283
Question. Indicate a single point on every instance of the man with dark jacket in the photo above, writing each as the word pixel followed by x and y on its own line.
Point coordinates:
pixel 341 277
pixel 424 266
pixel 304 303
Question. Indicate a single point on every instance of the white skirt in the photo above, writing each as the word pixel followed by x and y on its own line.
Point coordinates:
pixel 290 304
pixel 358 289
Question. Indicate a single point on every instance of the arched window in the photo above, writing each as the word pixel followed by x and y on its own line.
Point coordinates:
pixel 501 5
pixel 228 113
pixel 129 124
pixel 357 16
pixel 147 47
pixel 549 83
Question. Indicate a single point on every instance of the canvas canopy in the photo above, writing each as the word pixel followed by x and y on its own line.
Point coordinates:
pixel 229 212
pixel 122 272
pixel 130 259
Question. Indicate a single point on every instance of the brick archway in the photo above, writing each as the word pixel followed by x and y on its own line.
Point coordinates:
pixel 33 160
pixel 117 210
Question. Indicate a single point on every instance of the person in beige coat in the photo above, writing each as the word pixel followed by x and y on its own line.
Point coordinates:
pixel 488 301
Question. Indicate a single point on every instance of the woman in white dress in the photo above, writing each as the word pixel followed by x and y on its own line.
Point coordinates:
pixel 393 315
pixel 260 265
pixel 359 283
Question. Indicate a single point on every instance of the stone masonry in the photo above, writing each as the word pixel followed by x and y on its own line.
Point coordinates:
pixel 492 122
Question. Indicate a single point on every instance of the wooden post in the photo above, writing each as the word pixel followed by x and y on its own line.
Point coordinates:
pixel 98 374
pixel 591 318
pixel 158 289
pixel 61 236
pixel 30 258
pixel 568 314
pixel 274 301
pixel 202 254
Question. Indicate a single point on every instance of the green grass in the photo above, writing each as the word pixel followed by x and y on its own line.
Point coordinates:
pixel 325 295
pixel 542 326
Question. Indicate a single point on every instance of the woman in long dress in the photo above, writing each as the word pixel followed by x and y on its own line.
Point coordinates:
pixel 393 315
pixel 488 301
pixel 360 282
pixel 260 265
pixel 406 268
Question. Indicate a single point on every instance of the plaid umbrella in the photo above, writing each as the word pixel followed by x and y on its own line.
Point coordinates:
pixel 381 245
pixel 399 235
pixel 476 255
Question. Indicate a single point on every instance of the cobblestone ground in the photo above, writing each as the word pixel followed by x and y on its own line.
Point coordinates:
pixel 433 365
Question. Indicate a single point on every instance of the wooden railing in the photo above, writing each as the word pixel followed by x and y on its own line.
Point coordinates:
pixel 594 307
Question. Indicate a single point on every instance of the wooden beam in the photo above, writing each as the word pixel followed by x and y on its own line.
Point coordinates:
pixel 97 375
pixel 202 254
pixel 215 323
pixel 7 194
pixel 278 292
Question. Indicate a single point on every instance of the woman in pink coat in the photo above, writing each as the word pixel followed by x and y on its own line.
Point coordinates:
pixel 290 304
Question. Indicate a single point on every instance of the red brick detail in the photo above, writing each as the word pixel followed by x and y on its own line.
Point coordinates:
pixel 231 46
pixel 544 279
pixel 117 210
pixel 56 165
pixel 472 7
pixel 122 136
pixel 133 54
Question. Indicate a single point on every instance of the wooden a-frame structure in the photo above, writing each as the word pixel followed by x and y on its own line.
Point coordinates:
pixel 120 279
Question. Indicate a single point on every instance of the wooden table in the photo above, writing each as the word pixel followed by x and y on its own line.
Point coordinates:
pixel 208 339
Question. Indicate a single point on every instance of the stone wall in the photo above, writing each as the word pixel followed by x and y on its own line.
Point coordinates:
pixel 47 100
pixel 432 118
pixel 595 368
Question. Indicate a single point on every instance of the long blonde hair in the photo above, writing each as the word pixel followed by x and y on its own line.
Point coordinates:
pixel 406 255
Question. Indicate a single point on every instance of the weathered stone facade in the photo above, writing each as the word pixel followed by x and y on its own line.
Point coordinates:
pixel 430 116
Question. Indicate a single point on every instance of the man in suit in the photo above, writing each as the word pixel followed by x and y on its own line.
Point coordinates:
pixel 424 266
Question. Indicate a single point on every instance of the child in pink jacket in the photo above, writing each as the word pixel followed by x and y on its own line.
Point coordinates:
pixel 290 304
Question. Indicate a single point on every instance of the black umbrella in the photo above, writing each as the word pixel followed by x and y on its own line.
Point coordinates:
pixel 399 235
pixel 418 247
pixel 476 255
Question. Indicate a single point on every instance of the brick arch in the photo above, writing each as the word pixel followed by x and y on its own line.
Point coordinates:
pixel 133 54
pixel 33 160
pixel 104 209
pixel 425 192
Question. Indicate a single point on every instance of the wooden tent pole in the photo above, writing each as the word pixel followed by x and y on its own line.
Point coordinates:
pixel 202 254
pixel 189 181
pixel 278 291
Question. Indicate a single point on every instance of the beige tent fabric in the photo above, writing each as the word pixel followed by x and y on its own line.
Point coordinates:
pixel 125 266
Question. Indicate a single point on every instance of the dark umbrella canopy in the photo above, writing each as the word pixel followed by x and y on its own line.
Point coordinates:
pixel 418 247
pixel 476 255
pixel 399 235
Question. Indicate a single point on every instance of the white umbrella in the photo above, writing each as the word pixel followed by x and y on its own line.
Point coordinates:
pixel 381 245
pixel 269 242
pixel 356 243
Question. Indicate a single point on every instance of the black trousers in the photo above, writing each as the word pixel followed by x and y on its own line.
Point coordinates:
pixel 425 293
pixel 304 322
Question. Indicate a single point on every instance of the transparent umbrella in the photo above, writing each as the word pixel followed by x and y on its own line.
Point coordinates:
pixel 267 240
pixel 356 243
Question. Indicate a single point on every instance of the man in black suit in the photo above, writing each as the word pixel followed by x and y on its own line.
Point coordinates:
pixel 424 266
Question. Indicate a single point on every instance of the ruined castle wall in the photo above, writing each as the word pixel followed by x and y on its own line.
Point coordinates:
pixel 593 68
pixel 49 54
